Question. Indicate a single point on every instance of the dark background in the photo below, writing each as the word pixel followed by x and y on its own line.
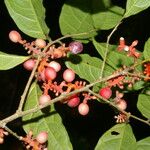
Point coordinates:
pixel 84 132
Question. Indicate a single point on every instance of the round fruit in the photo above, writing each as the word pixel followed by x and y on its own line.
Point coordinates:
pixel 50 73
pixel 83 109
pixel 29 64
pixel 68 75
pixel 44 99
pixel 76 47
pixel 42 137
pixel 121 104
pixel 55 65
pixel 105 92
pixel 73 101
pixel 40 43
pixel 14 36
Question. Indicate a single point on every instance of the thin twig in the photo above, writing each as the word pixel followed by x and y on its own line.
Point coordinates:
pixel 28 85
pixel 64 37
pixel 107 48
pixel 11 132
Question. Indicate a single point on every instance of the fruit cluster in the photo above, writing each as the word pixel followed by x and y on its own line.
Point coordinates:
pixel 49 68
pixel 55 80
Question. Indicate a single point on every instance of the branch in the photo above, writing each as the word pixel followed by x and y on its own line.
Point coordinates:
pixel 19 114
pixel 107 46
pixel 124 112
pixel 64 37
pixel 11 132
pixel 28 85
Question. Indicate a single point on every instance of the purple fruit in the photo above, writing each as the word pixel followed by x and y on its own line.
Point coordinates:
pixel 76 47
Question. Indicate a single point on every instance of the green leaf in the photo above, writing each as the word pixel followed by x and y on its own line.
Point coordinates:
pixel 135 6
pixel 144 144
pixel 75 17
pixel 29 15
pixel 46 120
pixel 106 18
pixel 119 137
pixel 87 67
pixel 138 85
pixel 143 105
pixel 8 61
pixel 114 57
pixel 146 51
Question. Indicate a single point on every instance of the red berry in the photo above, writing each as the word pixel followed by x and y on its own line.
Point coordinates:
pixel 50 73
pixel 44 99
pixel 29 64
pixel 42 137
pixel 76 47
pixel 121 104
pixel 68 75
pixel 83 109
pixel 105 92
pixel 73 101
pixel 14 36
pixel 40 43
pixel 55 65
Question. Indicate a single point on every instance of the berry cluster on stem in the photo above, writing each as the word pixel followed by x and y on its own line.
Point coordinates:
pixel 46 69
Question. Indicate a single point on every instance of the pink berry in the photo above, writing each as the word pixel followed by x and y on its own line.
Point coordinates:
pixel 68 75
pixel 43 99
pixel 40 43
pixel 14 36
pixel 55 65
pixel 76 47
pixel 105 92
pixel 73 101
pixel 29 64
pixel 121 104
pixel 42 137
pixel 83 109
pixel 50 73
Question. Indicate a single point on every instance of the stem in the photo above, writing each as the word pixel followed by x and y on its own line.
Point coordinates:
pixel 107 46
pixel 141 76
pixel 142 62
pixel 11 132
pixel 64 37
pixel 124 112
pixel 139 119
pixel 19 114
pixel 28 85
